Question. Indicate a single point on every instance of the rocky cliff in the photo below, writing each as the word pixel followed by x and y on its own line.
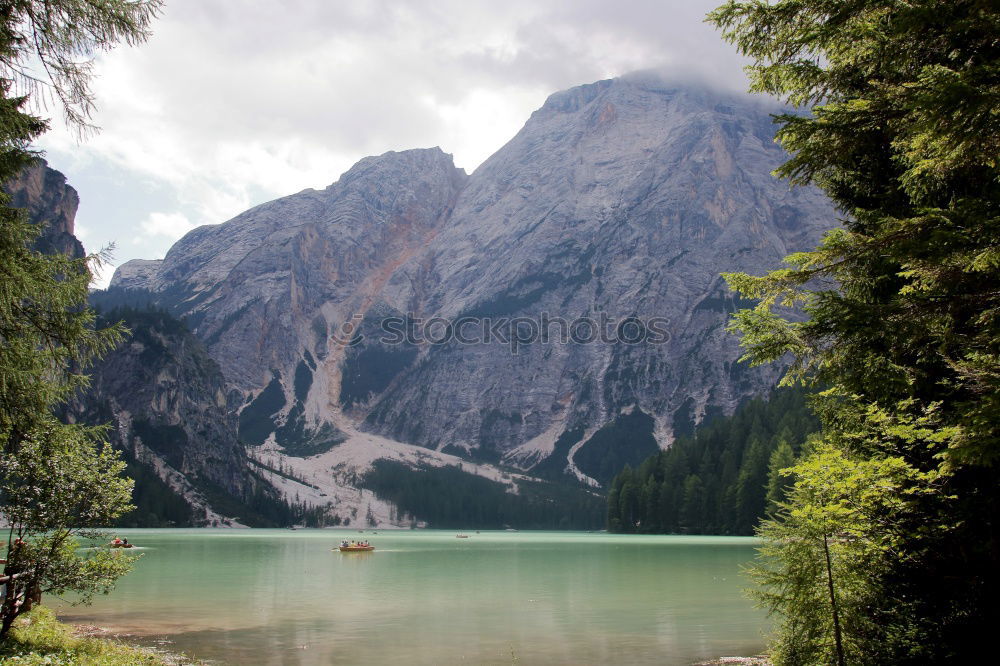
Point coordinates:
pixel 166 401
pixel 51 203
pixel 619 201
pixel 163 396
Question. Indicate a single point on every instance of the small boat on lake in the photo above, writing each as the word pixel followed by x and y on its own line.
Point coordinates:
pixel 120 543
pixel 356 547
pixel 461 536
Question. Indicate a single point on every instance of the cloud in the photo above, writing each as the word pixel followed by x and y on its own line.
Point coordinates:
pixel 168 225
pixel 232 103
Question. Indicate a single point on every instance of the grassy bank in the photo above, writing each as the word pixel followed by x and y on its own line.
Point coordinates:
pixel 39 638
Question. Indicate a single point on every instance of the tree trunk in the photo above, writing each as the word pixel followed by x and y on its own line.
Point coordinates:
pixel 8 620
pixel 9 609
pixel 32 597
pixel 833 605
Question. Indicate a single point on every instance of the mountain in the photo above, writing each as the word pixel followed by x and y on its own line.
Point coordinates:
pixel 623 200
pixel 51 203
pixel 165 399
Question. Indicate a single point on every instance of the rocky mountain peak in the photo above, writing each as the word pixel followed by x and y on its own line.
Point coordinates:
pixel 622 198
pixel 401 165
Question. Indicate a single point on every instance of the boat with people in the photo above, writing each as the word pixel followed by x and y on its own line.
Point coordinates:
pixel 356 547
pixel 120 543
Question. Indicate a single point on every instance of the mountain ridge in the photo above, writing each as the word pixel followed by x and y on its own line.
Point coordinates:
pixel 625 197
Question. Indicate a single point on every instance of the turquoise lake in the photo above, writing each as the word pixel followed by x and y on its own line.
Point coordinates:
pixel 427 597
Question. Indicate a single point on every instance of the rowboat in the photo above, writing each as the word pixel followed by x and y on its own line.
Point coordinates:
pixel 356 549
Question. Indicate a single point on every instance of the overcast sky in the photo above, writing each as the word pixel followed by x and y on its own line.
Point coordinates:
pixel 235 102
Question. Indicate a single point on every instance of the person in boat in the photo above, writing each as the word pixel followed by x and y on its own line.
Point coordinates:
pixel 125 542
pixel 116 541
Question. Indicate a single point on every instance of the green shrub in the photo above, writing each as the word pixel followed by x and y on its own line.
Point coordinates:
pixel 39 638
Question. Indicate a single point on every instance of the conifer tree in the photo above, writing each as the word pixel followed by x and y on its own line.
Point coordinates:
pixel 56 481
pixel 903 321
pixel 778 477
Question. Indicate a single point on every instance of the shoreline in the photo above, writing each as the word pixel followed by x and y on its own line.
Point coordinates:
pixel 171 658
pixel 38 637
pixel 164 654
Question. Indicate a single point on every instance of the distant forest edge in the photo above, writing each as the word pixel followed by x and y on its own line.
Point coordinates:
pixel 720 480
pixel 448 498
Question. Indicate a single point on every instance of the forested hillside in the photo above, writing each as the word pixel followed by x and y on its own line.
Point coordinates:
pixel 447 497
pixel 719 480
pixel 163 396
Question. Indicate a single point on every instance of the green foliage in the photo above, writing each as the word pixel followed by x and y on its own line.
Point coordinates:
pixel 63 475
pixel 628 440
pixel 257 418
pixel 844 506
pixel 495 426
pixel 256 509
pixel 156 503
pixel 55 480
pixel 113 298
pixel 38 638
pixel 447 497
pixel 299 439
pixel 779 476
pixel 48 339
pixel 170 441
pixel 61 36
pixel 554 466
pixel 903 313
pixel 60 483
pixel 147 323
pixel 718 480
pixel 369 371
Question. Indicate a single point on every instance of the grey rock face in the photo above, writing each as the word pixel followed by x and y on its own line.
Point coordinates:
pixel 266 285
pixel 623 198
pixel 135 274
pixel 51 203
pixel 164 394
pixel 265 289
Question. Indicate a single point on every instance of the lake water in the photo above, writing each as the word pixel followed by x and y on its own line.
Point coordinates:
pixel 427 597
